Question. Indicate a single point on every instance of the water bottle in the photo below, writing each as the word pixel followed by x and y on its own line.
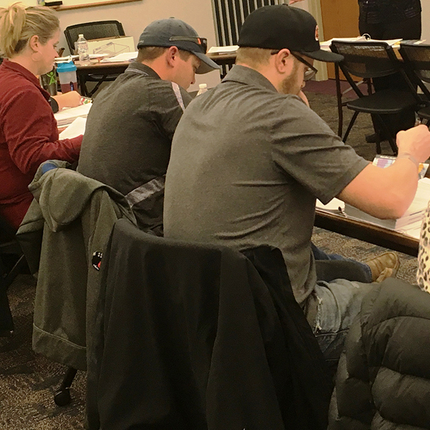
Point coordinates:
pixel 202 89
pixel 82 48
pixel 49 82
pixel 67 75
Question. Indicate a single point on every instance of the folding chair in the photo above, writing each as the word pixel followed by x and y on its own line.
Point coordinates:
pixel 93 30
pixel 374 60
pixel 417 65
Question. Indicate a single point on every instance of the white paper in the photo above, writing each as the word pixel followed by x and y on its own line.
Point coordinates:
pixel 76 128
pixel 230 49
pixel 66 116
pixel 120 58
pixel 334 205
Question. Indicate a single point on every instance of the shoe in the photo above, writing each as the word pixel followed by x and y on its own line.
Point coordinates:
pixel 371 138
pixel 384 266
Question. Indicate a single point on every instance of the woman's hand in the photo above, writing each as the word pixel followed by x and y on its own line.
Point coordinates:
pixel 69 99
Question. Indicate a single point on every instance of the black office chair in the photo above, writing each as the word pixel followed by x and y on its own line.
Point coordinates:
pixel 12 261
pixel 373 60
pixel 93 30
pixel 417 64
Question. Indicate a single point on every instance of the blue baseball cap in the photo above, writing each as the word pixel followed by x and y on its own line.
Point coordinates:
pixel 174 32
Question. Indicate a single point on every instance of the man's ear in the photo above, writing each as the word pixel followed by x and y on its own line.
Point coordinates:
pixel 171 56
pixel 282 60
pixel 34 43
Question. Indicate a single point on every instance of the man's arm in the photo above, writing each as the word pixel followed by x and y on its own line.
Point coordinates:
pixel 387 193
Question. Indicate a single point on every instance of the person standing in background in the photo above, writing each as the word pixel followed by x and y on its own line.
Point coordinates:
pixel 391 19
pixel 28 129
pixel 385 20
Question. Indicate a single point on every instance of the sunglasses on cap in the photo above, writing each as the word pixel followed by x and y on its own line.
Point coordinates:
pixel 310 70
pixel 201 41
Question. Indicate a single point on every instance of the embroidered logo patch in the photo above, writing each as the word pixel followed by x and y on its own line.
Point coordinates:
pixel 96 261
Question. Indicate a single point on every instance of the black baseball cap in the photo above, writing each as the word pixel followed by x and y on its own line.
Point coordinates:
pixel 282 26
pixel 174 32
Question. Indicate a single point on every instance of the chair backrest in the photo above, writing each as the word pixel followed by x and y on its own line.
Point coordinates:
pixel 92 30
pixel 417 62
pixel 368 60
pixel 198 322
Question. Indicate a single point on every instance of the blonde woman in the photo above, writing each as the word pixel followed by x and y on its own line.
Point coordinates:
pixel 28 131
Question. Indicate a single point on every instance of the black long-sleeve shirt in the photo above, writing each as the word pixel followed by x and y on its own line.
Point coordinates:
pixel 383 11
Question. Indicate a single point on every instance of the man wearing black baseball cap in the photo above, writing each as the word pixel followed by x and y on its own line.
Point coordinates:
pixel 131 124
pixel 249 158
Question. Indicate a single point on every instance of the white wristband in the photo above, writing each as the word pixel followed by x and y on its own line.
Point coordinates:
pixel 409 157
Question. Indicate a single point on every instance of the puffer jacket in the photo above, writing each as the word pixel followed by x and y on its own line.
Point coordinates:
pixel 383 379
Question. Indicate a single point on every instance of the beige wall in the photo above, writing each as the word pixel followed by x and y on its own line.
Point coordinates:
pixel 137 15
pixel 426 20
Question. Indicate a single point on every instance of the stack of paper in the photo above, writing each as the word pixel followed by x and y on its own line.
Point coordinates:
pixel 121 58
pixel 326 44
pixel 412 218
pixel 230 49
pixel 68 115
pixel 76 128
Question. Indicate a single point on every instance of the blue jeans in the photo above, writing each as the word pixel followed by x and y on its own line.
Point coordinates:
pixel 351 269
pixel 337 304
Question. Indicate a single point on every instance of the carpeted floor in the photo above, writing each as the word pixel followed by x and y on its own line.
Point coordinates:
pixel 28 381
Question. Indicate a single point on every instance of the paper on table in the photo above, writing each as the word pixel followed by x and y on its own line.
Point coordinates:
pixel 66 116
pixel 120 58
pixel 230 49
pixel 326 44
pixel 76 128
pixel 334 205
pixel 413 231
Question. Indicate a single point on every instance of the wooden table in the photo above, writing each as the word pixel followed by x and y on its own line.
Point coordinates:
pixel 105 68
pixel 367 232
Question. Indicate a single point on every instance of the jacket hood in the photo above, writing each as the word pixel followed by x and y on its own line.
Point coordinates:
pixel 62 197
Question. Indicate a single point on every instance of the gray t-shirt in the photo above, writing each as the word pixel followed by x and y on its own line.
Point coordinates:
pixel 128 137
pixel 246 166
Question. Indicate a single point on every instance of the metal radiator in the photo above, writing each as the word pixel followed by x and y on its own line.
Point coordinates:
pixel 230 14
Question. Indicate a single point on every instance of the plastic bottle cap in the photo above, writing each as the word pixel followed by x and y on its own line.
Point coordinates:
pixel 203 85
pixel 66 67
pixel 81 35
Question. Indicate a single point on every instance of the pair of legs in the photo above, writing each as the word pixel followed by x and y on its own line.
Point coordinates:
pixel 331 309
pixel 336 300
pixel 334 266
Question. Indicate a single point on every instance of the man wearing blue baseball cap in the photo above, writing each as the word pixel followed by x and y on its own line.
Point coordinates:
pixel 131 124
pixel 249 158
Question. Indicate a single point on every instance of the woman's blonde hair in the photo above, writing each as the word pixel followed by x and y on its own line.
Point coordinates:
pixel 19 23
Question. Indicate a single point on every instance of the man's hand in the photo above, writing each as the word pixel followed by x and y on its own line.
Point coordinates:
pixel 415 142
pixel 302 95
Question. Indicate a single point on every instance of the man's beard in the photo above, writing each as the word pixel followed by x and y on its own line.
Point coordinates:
pixel 289 85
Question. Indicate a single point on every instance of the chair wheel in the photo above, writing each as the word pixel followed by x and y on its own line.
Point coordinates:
pixel 62 397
